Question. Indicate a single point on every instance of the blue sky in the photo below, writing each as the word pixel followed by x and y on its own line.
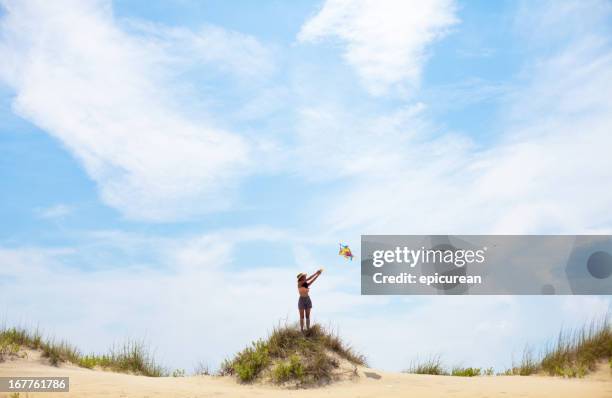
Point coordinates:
pixel 167 168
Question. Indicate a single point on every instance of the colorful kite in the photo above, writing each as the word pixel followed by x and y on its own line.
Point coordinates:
pixel 345 252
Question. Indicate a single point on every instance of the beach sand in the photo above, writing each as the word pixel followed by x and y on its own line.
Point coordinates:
pixel 87 383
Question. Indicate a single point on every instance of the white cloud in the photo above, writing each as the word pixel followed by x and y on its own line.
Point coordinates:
pixel 386 41
pixel 109 97
pixel 335 143
pixel 225 50
pixel 548 172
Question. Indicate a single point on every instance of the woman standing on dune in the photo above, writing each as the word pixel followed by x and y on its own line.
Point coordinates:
pixel 304 303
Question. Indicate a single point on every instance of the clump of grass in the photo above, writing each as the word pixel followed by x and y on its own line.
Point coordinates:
pixel 58 352
pixel 131 357
pixel 465 372
pixel 249 362
pixel 288 370
pixel 526 367
pixel 8 349
pixel 577 353
pixel 288 355
pixel 434 366
pixel 178 373
pixel 13 339
pixel 430 366
pixel 202 369
pixel 574 354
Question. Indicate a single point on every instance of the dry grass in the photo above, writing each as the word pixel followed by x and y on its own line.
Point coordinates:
pixel 527 366
pixel 573 354
pixel 430 366
pixel 577 353
pixel 434 366
pixel 131 357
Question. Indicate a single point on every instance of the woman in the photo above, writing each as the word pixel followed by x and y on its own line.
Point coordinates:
pixel 304 303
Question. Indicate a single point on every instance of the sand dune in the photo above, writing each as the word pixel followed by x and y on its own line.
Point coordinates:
pixel 87 383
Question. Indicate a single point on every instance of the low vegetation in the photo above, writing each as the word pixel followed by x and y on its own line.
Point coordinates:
pixel 465 372
pixel 433 366
pixel 132 357
pixel 202 369
pixel 430 366
pixel 287 355
pixel 577 353
pixel 573 354
pixel 527 366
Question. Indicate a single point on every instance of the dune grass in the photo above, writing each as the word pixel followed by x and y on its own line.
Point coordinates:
pixel 290 356
pixel 430 366
pixel 578 352
pixel 574 353
pixel 56 351
pixel 131 357
pixel 527 366
pixel 434 366
pixel 202 369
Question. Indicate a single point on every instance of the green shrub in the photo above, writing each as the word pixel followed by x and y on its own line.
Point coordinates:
pixel 289 370
pixel 251 361
pixel 465 372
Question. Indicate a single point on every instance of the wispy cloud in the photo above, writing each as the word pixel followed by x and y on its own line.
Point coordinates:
pixel 56 211
pixel 109 97
pixel 225 50
pixel 386 41
pixel 547 172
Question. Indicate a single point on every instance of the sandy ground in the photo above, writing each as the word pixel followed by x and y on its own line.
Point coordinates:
pixel 92 383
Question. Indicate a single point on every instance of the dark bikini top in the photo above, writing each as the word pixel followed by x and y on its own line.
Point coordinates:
pixel 305 284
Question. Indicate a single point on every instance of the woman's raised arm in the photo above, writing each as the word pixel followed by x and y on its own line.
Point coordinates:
pixel 313 277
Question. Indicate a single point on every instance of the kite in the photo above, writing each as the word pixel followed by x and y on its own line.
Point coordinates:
pixel 345 252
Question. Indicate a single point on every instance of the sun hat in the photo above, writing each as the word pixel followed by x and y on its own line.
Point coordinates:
pixel 301 274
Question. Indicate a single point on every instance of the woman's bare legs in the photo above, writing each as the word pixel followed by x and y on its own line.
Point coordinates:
pixel 307 318
pixel 302 318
